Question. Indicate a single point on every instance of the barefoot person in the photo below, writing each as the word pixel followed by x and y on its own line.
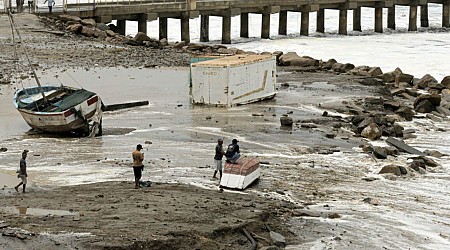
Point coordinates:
pixel 138 158
pixel 218 157
pixel 22 172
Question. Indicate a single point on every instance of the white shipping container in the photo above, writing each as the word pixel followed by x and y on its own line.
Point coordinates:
pixel 233 80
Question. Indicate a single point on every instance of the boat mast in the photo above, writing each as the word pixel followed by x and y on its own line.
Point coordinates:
pixel 14 28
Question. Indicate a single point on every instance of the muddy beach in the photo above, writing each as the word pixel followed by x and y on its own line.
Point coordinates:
pixel 320 187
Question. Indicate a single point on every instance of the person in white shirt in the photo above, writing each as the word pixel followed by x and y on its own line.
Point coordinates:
pixel 51 3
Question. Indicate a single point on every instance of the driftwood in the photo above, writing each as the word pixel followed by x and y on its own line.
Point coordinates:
pixel 113 107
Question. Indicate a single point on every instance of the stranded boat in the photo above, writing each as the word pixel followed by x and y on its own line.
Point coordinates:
pixel 240 175
pixel 60 109
pixel 57 109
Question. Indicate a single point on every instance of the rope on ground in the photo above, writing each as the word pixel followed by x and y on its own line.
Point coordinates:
pixel 250 238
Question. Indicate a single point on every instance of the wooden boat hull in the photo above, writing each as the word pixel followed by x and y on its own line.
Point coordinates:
pixel 240 175
pixel 71 119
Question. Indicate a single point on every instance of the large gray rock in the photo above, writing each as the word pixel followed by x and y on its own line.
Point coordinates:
pixel 402 77
pixel 372 132
pixel 286 121
pixel 89 22
pixel 102 26
pixel 66 18
pixel 141 37
pixel 286 59
pixel 87 31
pixel 304 62
pixel 329 64
pixel 434 99
pixel 405 112
pixel 342 67
pixel 425 80
pixel 446 82
pixel 75 28
pixel 424 106
pixel 393 169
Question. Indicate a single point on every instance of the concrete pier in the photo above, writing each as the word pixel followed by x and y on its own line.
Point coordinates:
pixel 304 25
pixel 121 24
pixel 161 10
pixel 185 34
pixel 391 18
pixel 320 21
pixel 343 22
pixel 282 23
pixel 379 20
pixel 204 28
pixel 226 29
pixel 412 26
pixel 265 25
pixel 357 19
pixel 424 16
pixel 446 13
pixel 162 28
pixel 244 25
pixel 142 23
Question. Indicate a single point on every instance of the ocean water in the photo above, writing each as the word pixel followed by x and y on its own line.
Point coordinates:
pixel 417 53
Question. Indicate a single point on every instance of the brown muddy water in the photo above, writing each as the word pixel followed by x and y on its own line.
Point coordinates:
pixel 178 137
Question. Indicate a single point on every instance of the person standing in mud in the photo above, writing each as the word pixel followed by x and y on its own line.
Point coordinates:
pixel 138 167
pixel 218 158
pixel 50 5
pixel 22 172
pixel 19 5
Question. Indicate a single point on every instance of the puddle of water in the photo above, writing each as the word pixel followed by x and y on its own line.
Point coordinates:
pixel 36 211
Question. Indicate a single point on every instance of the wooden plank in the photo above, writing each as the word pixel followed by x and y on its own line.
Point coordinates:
pixel 113 107
pixel 403 146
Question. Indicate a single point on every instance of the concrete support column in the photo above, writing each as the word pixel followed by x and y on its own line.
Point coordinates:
pixel 391 18
pixel 424 16
pixel 446 14
pixel 379 20
pixel 304 25
pixel 162 28
pixel 357 19
pixel 320 22
pixel 412 18
pixel 244 25
pixel 226 29
pixel 142 23
pixel 342 22
pixel 121 26
pixel 185 36
pixel 282 23
pixel 204 28
pixel 265 26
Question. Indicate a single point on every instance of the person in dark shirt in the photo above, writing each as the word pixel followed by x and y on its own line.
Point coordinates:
pixel 22 172
pixel 218 158
pixel 233 152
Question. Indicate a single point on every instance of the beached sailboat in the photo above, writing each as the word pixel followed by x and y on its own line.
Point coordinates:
pixel 58 109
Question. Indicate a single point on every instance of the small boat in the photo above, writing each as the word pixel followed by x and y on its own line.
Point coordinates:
pixel 241 174
pixel 57 109
pixel 60 109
